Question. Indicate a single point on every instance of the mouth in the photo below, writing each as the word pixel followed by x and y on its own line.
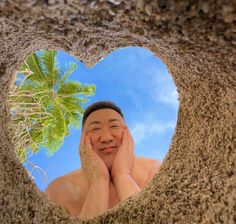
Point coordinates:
pixel 107 150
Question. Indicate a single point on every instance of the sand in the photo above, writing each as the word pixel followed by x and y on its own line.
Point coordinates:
pixel 197 42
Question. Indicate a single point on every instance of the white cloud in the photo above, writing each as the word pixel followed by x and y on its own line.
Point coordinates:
pixel 143 130
pixel 161 86
pixel 169 96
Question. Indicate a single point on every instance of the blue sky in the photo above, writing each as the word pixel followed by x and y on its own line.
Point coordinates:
pixel 139 83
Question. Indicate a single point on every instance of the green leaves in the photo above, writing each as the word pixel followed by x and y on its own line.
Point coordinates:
pixel 65 76
pixel 48 60
pixel 33 64
pixel 45 103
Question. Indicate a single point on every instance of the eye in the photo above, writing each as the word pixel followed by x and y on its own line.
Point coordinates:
pixel 114 126
pixel 95 129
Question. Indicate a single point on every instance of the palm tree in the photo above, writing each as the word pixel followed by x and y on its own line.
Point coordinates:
pixel 44 103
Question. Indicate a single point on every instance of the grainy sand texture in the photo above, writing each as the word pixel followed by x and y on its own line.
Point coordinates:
pixel 197 42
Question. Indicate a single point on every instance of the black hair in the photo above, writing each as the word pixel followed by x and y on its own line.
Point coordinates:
pixel 100 105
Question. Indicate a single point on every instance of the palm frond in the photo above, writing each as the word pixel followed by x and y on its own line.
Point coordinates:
pixel 55 130
pixel 74 88
pixel 71 103
pixel 48 59
pixel 75 119
pixel 45 103
pixel 34 65
pixel 72 110
pixel 65 76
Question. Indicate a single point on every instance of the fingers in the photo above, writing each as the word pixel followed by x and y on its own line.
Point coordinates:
pixel 127 132
pixel 88 142
pixel 130 136
pixel 82 139
pixel 127 137
pixel 124 136
pixel 85 142
pixel 131 143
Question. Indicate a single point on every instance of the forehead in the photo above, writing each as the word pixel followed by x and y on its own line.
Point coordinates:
pixel 103 115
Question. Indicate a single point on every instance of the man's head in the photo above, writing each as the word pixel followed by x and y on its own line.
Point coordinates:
pixel 104 122
pixel 98 106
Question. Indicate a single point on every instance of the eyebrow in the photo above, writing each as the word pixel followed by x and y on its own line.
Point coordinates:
pixel 98 122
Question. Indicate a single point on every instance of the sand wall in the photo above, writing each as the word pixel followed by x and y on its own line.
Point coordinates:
pixel 197 41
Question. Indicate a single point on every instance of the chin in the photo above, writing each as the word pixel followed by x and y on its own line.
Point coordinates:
pixel 108 159
pixel 108 162
pixel 109 165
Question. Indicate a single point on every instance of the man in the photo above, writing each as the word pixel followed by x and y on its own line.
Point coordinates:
pixel 109 172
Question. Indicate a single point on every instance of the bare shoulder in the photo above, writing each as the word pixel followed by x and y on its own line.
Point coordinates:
pixel 150 166
pixel 56 189
pixel 148 162
pixel 67 191
pixel 71 181
pixel 76 178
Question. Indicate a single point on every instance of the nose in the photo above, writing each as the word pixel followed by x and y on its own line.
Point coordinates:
pixel 106 136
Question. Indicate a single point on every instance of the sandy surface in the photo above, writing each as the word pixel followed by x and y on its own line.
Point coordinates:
pixel 197 41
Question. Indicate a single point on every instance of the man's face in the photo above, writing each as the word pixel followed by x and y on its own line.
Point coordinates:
pixel 105 128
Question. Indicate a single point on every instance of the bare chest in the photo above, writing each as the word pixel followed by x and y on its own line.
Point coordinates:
pixel 79 181
pixel 113 195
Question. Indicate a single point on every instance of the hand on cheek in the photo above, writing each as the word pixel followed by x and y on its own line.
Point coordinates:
pixel 92 165
pixel 124 159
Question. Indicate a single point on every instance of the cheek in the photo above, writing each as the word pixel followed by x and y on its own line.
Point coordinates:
pixel 118 136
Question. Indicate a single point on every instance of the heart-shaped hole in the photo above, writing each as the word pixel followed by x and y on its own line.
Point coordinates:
pixel 135 80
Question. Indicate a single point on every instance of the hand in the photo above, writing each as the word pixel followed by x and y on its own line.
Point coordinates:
pixel 92 165
pixel 124 159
